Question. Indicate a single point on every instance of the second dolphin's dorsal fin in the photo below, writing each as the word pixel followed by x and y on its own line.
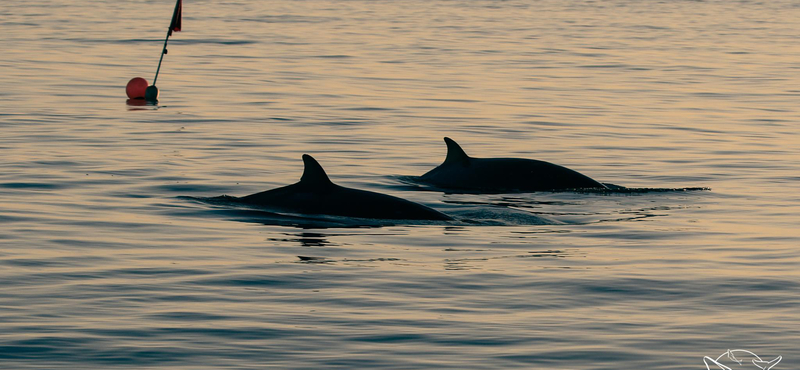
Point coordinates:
pixel 454 152
pixel 313 174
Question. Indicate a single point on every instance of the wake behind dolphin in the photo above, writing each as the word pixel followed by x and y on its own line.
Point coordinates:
pixel 315 194
pixel 495 175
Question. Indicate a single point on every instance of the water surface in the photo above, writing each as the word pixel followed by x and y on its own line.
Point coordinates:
pixel 108 261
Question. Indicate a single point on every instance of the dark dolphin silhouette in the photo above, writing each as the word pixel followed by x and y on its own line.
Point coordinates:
pixel 462 172
pixel 316 194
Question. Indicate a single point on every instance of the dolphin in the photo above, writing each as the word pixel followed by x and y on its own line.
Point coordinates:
pixel 316 194
pixel 496 175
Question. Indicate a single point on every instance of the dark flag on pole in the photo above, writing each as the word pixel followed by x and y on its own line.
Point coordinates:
pixel 176 18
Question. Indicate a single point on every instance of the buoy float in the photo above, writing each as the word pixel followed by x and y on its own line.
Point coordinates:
pixel 151 94
pixel 136 88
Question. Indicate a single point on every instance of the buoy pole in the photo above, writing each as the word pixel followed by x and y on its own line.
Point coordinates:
pixel 151 93
pixel 163 51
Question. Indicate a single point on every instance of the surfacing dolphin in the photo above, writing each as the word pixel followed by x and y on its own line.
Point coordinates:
pixel 495 175
pixel 316 194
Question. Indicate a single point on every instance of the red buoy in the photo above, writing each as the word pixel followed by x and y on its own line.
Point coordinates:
pixel 136 88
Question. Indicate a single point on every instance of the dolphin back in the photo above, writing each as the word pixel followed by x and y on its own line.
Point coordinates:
pixel 316 194
pixel 461 172
pixel 341 201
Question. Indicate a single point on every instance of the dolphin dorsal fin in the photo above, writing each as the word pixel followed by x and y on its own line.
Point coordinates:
pixel 454 152
pixel 313 174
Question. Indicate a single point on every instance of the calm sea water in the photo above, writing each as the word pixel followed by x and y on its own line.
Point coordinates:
pixel 109 261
